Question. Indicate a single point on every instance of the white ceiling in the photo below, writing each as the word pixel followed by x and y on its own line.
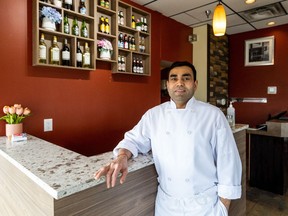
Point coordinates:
pixel 192 12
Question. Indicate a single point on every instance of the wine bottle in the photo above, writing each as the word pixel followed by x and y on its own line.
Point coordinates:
pixel 137 66
pixel 86 56
pixel 145 25
pixel 138 25
pixel 82 7
pixel 79 55
pixel 42 50
pixel 54 52
pixel 123 64
pixel 143 44
pixel 141 68
pixel 133 46
pixel 66 25
pixel 126 46
pixel 142 23
pixel 121 15
pixel 75 27
pixel 134 66
pixel 129 42
pixel 140 44
pixel 65 54
pixel 84 30
pixel 119 63
pixel 102 25
pixel 107 4
pixel 68 4
pixel 107 26
pixel 133 22
pixel 102 3
pixel 120 41
pixel 119 18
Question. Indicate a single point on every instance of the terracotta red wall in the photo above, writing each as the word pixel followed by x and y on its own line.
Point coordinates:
pixel 174 41
pixel 90 110
pixel 253 81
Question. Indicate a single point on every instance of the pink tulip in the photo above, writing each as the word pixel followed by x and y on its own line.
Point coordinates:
pixel 19 111
pixel 26 111
pixel 12 110
pixel 17 106
pixel 6 109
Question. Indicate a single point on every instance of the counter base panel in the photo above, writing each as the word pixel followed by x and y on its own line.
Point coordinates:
pixel 135 197
pixel 21 196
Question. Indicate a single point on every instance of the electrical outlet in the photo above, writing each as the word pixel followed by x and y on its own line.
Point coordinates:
pixel 272 90
pixel 48 125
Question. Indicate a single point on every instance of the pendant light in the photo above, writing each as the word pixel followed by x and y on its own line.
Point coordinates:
pixel 219 20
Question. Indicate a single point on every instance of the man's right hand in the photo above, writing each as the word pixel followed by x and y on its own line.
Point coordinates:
pixel 112 170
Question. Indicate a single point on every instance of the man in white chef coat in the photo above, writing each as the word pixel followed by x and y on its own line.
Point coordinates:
pixel 193 148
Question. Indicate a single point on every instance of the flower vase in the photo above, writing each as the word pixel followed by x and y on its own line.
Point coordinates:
pixel 105 54
pixel 48 24
pixel 14 129
pixel 58 3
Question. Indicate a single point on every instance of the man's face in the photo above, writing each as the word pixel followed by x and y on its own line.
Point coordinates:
pixel 181 85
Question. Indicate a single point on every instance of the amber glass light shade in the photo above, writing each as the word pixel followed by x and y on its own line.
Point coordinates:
pixel 219 20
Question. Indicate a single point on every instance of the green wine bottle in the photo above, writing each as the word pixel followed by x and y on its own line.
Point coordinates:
pixel 66 25
pixel 84 30
pixel 75 27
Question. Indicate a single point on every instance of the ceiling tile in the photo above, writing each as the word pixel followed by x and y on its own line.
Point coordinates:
pixel 285 5
pixel 201 24
pixel 200 14
pixel 192 12
pixel 185 19
pixel 233 20
pixel 172 7
pixel 240 5
pixel 263 23
pixel 239 29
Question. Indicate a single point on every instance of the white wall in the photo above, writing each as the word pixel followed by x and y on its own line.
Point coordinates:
pixel 200 61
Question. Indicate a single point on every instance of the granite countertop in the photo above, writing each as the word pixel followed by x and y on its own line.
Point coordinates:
pixel 239 127
pixel 59 171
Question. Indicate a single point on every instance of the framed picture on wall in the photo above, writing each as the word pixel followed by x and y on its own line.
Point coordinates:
pixel 259 51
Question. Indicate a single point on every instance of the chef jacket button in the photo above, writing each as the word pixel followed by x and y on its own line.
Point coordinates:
pixel 189 132
pixel 187 180
pixel 167 133
pixel 169 179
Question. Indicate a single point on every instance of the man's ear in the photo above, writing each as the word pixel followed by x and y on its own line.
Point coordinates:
pixel 195 84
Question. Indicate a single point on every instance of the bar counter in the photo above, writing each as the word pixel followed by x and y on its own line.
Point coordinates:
pixel 59 171
pixel 41 178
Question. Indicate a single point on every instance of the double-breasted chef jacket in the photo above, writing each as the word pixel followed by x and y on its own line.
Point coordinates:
pixel 194 150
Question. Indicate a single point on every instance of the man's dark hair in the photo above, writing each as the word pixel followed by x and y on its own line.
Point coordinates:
pixel 183 63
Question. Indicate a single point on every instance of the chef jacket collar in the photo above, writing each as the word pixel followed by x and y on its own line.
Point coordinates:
pixel 189 104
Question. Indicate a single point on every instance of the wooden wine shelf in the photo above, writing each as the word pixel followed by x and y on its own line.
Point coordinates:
pixel 94 12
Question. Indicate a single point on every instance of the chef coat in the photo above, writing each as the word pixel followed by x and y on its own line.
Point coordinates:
pixel 193 149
